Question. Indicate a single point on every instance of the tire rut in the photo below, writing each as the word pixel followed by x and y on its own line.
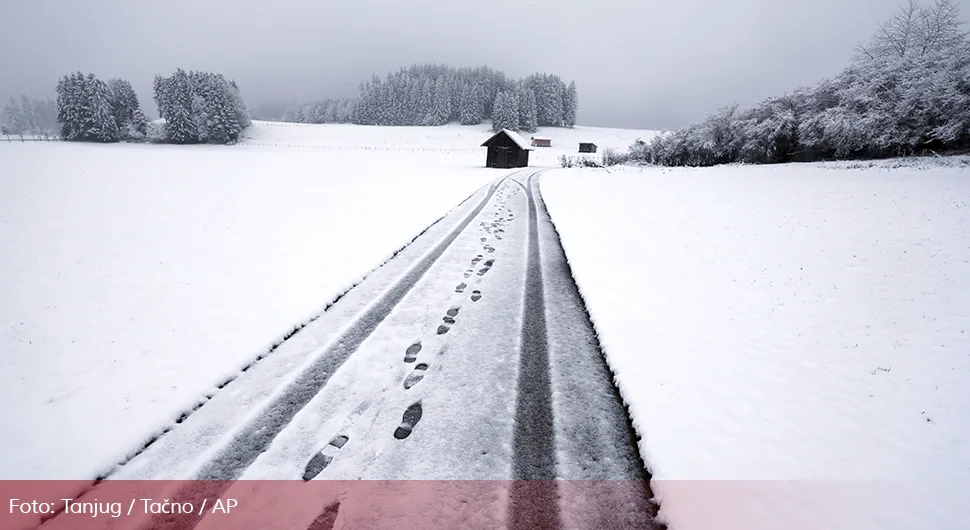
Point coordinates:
pixel 533 502
pixel 249 441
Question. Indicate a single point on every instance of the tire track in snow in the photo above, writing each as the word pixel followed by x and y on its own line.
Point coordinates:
pixel 250 439
pixel 600 480
pixel 247 443
pixel 269 351
pixel 604 480
pixel 533 495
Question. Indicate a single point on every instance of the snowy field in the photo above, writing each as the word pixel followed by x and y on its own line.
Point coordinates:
pixel 452 139
pixel 794 341
pixel 137 278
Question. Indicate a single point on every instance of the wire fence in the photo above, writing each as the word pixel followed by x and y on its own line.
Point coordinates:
pixel 30 137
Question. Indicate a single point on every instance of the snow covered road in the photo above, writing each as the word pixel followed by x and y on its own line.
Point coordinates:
pixel 469 356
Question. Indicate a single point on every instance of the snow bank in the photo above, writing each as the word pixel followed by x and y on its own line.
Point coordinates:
pixel 794 341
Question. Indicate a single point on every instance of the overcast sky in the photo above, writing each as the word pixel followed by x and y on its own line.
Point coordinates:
pixel 637 63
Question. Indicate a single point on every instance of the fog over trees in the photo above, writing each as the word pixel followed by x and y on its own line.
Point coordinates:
pixel 434 94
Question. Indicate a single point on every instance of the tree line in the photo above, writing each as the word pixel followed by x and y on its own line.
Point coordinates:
pixel 196 107
pixel 29 117
pixel 906 92
pixel 433 94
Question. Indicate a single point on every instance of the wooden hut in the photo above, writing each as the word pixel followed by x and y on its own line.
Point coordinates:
pixel 541 141
pixel 506 149
pixel 587 147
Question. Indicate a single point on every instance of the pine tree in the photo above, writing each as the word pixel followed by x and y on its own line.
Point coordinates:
pixel 85 109
pixel 505 111
pixel 570 104
pixel 442 102
pixel 528 120
pixel 161 88
pixel 241 111
pixel 201 90
pixel 101 124
pixel 132 122
pixel 30 119
pixel 471 104
pixel 45 115
pixel 66 107
pixel 13 118
pixel 179 124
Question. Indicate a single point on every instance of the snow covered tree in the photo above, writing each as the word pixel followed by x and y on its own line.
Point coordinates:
pixel 427 94
pixel 201 107
pixel 69 109
pixel 132 122
pixel 238 106
pixel 472 111
pixel 180 127
pixel 161 96
pixel 102 126
pixel 441 108
pixel 27 109
pixel 916 30
pixel 13 118
pixel 45 116
pixel 528 120
pixel 570 102
pixel 85 109
pixel 505 114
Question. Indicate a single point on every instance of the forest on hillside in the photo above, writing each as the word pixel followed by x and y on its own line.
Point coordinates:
pixel 906 92
pixel 434 94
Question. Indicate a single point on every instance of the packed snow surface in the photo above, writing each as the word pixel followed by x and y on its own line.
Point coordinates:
pixel 137 278
pixel 793 341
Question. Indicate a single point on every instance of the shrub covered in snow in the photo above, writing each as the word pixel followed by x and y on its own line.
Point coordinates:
pixel 907 92
pixel 612 157
pixel 578 161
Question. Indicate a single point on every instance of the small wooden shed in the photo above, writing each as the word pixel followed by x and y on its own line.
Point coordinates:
pixel 506 149
pixel 587 147
pixel 541 141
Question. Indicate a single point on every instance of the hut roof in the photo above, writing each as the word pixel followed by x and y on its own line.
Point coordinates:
pixel 513 135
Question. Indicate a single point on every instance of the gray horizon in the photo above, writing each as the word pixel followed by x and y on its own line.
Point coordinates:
pixel 637 64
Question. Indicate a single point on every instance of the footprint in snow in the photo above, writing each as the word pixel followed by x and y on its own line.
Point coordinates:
pixel 323 458
pixel 461 287
pixel 416 376
pixel 409 420
pixel 327 519
pixel 484 239
pixel 476 296
pixel 412 352
pixel 453 312
pixel 444 328
pixel 468 273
